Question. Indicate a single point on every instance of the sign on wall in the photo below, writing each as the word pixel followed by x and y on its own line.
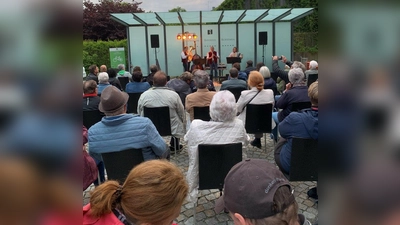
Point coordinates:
pixel 117 56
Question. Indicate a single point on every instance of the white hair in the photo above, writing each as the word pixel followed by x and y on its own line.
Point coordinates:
pixel 121 67
pixel 265 72
pixel 313 65
pixel 223 106
pixel 103 78
pixel 296 76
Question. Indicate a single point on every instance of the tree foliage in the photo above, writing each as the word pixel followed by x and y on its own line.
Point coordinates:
pixel 177 9
pixel 97 24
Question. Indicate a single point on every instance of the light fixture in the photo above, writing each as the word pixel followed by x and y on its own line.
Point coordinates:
pixel 186 36
pixel 179 37
pixel 194 36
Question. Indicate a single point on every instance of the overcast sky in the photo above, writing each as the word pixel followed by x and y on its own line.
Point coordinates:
pixel 165 5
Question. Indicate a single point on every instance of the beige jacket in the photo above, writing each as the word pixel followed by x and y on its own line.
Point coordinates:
pixel 200 98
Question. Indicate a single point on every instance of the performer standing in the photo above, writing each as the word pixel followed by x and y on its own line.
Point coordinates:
pixel 235 53
pixel 212 58
pixel 184 58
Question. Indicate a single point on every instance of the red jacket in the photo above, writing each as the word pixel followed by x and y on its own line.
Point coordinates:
pixel 109 219
pixel 215 58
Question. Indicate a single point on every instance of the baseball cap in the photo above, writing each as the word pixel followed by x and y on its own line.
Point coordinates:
pixel 250 188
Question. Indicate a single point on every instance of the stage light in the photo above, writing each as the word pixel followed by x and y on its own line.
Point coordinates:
pixel 194 36
pixel 190 36
pixel 179 37
pixel 184 37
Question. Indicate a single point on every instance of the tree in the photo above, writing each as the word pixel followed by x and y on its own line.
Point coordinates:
pixel 177 9
pixel 97 24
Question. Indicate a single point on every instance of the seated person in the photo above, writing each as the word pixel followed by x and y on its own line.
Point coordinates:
pixel 123 73
pixel 233 82
pixel 249 67
pixel 223 120
pixel 90 99
pixel 181 85
pixel 118 131
pixel 103 82
pixel 152 193
pixel 112 74
pixel 210 85
pixel 296 91
pixel 256 192
pixel 313 69
pixel 269 83
pixel 302 124
pixel 137 86
pixel 241 75
pixel 202 97
pixel 283 74
pixel 149 78
pixel 257 95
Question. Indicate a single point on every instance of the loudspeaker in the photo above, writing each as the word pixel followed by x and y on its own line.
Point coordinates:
pixel 262 38
pixel 155 42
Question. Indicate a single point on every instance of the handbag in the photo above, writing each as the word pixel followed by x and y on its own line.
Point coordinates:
pixel 238 113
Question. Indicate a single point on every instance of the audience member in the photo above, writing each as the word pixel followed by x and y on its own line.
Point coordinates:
pixel 269 83
pixel 181 85
pixel 118 131
pixel 137 86
pixel 210 85
pixel 112 78
pixel 103 82
pixel 90 99
pixel 249 67
pixel 241 75
pixel 136 69
pixel 257 95
pixel 283 74
pixel 223 121
pixel 160 96
pixel 259 65
pixel 256 192
pixel 302 124
pixel 93 71
pixel 296 91
pixel 103 68
pixel 122 72
pixel 233 82
pixel 153 70
pixel 152 193
pixel 313 69
pixel 202 97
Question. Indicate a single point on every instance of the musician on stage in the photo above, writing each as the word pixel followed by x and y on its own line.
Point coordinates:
pixel 212 58
pixel 184 58
pixel 235 53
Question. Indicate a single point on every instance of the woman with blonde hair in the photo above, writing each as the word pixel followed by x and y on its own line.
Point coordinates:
pixel 152 194
pixel 257 95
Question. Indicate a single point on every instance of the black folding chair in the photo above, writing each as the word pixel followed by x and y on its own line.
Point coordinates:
pixel 259 120
pixel 236 91
pixel 133 102
pixel 91 117
pixel 298 106
pixel 215 161
pixel 202 113
pixel 123 81
pixel 311 79
pixel 304 160
pixel 161 120
pixel 119 164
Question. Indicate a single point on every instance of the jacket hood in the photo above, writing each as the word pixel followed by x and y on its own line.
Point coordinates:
pixel 311 122
pixel 116 120
pixel 178 85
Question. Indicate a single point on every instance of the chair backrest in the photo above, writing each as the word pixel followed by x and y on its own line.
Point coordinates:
pixel 91 117
pixel 215 161
pixel 119 164
pixel 298 106
pixel 133 102
pixel 311 79
pixel 258 118
pixel 236 91
pixel 304 160
pixel 123 81
pixel 202 113
pixel 160 118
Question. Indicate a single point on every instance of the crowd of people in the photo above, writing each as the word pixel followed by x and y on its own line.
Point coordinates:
pixel 154 191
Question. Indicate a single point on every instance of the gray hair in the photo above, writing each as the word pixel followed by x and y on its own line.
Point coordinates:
pixel 121 67
pixel 297 64
pixel 296 76
pixel 153 68
pixel 223 107
pixel 313 65
pixel 201 79
pixel 265 72
pixel 234 72
pixel 103 78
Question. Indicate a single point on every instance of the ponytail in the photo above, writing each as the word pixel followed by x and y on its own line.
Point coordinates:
pixel 103 198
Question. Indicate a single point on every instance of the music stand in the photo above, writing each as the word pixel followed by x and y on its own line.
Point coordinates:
pixel 232 60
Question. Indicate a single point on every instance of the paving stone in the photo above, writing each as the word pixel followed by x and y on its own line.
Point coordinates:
pixel 312 210
pixel 309 216
pixel 222 217
pixel 302 206
pixel 200 208
pixel 211 221
pixel 308 203
pixel 209 213
pixel 200 216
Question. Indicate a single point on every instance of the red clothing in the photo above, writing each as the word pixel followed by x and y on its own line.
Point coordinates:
pixel 215 58
pixel 109 219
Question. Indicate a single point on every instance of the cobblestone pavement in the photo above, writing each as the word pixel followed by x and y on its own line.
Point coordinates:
pixel 205 208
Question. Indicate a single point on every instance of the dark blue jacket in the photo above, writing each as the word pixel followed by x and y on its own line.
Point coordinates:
pixel 295 94
pixel 269 83
pixel 302 124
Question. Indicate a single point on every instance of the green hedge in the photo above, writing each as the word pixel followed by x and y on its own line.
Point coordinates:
pixel 98 52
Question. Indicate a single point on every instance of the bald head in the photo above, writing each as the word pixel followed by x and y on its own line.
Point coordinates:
pixel 159 79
